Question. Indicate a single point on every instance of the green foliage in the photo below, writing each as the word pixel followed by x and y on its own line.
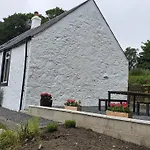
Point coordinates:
pixel 144 59
pixel 18 23
pixel 72 102
pixel 13 26
pixel 139 76
pixel 132 56
pixel 70 123
pixel 139 72
pixel 52 13
pixel 117 107
pixel 139 79
pixel 51 127
pixel 30 130
pixel 8 140
pixel 2 126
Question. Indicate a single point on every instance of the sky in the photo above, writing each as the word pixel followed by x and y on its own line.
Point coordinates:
pixel 128 19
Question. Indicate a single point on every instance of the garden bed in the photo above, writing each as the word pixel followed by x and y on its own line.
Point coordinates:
pixel 79 139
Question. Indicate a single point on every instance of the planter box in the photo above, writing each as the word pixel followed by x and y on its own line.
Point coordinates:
pixel 46 103
pixel 118 114
pixel 73 108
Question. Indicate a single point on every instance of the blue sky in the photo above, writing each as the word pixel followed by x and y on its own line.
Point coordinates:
pixel 128 19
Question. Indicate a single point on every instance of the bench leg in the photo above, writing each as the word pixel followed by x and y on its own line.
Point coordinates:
pixel 138 108
pixel 147 109
pixel 106 105
pixel 99 106
pixel 134 104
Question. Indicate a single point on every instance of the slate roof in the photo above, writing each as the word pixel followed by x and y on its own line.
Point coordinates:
pixel 30 33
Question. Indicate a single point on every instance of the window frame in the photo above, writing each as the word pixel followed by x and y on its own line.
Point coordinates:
pixel 5 68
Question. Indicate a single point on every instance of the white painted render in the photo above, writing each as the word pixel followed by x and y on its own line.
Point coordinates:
pixel 12 92
pixel 35 22
pixel 73 58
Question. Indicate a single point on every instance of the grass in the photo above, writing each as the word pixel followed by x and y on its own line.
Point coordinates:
pixel 8 140
pixel 29 130
pixel 70 123
pixel 139 72
pixel 139 80
pixel 139 76
pixel 51 127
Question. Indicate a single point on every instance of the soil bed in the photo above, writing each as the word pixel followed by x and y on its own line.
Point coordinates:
pixel 79 139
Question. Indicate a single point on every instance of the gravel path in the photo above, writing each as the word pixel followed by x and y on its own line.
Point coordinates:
pixel 13 118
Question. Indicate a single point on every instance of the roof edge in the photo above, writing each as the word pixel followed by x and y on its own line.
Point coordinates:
pixel 32 32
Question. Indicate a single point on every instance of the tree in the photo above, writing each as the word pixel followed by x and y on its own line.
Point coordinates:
pixel 52 13
pixel 132 56
pixel 144 59
pixel 13 26
pixel 18 23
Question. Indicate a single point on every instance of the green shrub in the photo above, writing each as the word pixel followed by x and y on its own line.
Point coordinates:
pixel 139 79
pixel 34 127
pixel 8 139
pixel 139 72
pixel 2 126
pixel 51 127
pixel 70 123
pixel 29 130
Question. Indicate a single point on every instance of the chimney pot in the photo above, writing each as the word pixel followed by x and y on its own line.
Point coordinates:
pixel 36 20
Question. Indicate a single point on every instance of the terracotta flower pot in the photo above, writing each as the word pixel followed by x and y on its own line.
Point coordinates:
pixel 78 108
pixel 118 114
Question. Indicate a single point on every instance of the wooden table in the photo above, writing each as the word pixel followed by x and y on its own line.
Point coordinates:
pixel 129 94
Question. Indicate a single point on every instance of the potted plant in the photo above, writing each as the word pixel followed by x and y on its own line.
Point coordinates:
pixel 46 100
pixel 72 104
pixel 120 110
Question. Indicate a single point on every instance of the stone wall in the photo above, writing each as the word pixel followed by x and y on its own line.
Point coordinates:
pixel 130 130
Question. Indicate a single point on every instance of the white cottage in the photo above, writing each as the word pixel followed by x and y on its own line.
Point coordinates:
pixel 74 55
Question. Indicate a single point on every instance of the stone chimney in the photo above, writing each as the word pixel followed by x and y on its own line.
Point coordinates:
pixel 36 20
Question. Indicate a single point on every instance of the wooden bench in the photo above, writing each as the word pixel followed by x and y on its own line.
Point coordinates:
pixel 106 102
pixel 147 107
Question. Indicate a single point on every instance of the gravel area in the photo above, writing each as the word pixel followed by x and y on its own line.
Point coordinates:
pixel 10 117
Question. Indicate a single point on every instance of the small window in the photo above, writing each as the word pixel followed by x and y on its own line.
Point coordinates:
pixel 5 67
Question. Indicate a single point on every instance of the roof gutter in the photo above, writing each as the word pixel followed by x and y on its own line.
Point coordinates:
pixel 24 73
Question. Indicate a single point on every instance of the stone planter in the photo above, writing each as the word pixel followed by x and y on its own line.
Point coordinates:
pixel 46 102
pixel 118 114
pixel 78 108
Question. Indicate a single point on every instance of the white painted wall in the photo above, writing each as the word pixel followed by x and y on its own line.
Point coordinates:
pixel 12 92
pixel 70 59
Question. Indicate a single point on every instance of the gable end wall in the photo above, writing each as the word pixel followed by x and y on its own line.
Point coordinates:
pixel 72 58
